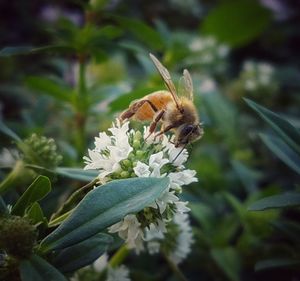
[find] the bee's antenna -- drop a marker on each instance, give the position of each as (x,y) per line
(179,153)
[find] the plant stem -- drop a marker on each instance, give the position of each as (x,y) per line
(177,272)
(81,107)
(119,256)
(74,198)
(18,175)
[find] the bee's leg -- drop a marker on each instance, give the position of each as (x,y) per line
(155,121)
(166,129)
(134,108)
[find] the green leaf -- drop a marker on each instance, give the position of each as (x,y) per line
(50,88)
(7,131)
(282,127)
(282,151)
(26,50)
(38,269)
(223,115)
(228,260)
(35,214)
(57,221)
(286,200)
(276,263)
(82,254)
(35,192)
(143,32)
(77,173)
(103,207)
(247,176)
(237,22)
(203,214)
(13,51)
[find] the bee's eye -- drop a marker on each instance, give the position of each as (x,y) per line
(187,130)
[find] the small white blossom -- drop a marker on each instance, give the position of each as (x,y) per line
(208,85)
(184,177)
(157,160)
(109,150)
(120,273)
(141,170)
(168,197)
(184,239)
(129,230)
(101,263)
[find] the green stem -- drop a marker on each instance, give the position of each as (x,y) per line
(18,175)
(81,107)
(119,256)
(177,272)
(74,199)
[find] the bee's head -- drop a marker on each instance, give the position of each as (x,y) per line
(188,133)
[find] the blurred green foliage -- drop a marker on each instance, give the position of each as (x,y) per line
(70,67)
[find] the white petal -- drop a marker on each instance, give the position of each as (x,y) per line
(157,160)
(184,177)
(141,170)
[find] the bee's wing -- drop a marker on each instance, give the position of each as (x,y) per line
(185,88)
(167,79)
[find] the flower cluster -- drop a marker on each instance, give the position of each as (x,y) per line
(42,151)
(256,76)
(125,153)
(209,53)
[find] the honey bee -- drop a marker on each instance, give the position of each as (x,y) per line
(174,111)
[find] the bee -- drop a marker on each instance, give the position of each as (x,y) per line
(175,112)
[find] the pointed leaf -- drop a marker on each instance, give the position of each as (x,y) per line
(282,127)
(38,269)
(35,214)
(143,32)
(83,253)
(247,176)
(35,192)
(51,88)
(228,260)
(276,201)
(103,207)
(26,50)
(77,173)
(282,151)
(233,22)
(276,263)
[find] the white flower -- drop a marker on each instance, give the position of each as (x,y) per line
(109,150)
(102,142)
(208,85)
(250,85)
(223,51)
(129,230)
(120,273)
(153,234)
(127,153)
(177,156)
(168,197)
(101,263)
(184,239)
(8,157)
(181,207)
(157,160)
(141,170)
(184,177)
